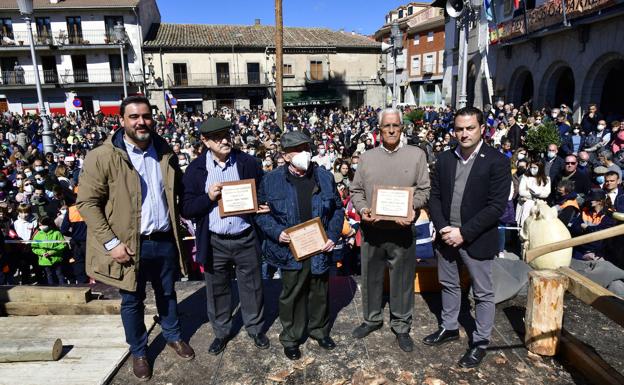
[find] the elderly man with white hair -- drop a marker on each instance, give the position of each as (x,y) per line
(385,242)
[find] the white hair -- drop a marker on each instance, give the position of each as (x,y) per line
(389,111)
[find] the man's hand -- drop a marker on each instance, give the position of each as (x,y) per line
(214,191)
(329,246)
(407,221)
(263,209)
(284,238)
(367,216)
(121,253)
(452,236)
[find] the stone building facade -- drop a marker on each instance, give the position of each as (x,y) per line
(207,67)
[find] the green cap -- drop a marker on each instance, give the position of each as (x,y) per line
(214,125)
(294,138)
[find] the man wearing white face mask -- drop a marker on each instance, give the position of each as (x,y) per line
(321,158)
(296,193)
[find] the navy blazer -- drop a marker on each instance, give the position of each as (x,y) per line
(196,204)
(485,198)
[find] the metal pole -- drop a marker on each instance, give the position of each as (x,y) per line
(123,70)
(394,75)
(279,64)
(48,146)
(162,76)
(463,96)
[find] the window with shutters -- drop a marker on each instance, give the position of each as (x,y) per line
(316,70)
(415,65)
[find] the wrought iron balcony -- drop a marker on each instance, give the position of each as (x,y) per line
(59,38)
(216,79)
(27,78)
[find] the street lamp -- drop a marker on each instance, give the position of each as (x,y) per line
(26,10)
(396,37)
(120,36)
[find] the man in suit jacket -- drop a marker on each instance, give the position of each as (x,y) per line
(223,241)
(469,191)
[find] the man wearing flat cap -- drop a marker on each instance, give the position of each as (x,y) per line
(222,242)
(297,192)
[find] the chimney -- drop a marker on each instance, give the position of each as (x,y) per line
(341,30)
(257,22)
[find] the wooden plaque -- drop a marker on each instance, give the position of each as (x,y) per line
(391,202)
(238,197)
(307,239)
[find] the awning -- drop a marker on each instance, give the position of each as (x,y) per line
(310,98)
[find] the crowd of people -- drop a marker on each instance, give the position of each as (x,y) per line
(580,173)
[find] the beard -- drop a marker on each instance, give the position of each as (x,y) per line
(139,137)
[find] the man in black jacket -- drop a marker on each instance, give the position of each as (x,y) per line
(469,191)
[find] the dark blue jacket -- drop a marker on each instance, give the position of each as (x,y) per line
(282,198)
(196,204)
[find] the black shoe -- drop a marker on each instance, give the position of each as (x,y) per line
(326,342)
(405,342)
(260,340)
(217,346)
(473,357)
(441,336)
(365,329)
(292,352)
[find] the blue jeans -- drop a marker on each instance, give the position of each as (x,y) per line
(158,264)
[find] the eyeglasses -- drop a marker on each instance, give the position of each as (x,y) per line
(570,162)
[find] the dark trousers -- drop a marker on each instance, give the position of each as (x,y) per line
(396,250)
(243,253)
(303,303)
(159,265)
(54,274)
(449,261)
(78,267)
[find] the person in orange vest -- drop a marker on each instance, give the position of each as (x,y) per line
(73,225)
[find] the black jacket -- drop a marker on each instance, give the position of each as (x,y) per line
(485,198)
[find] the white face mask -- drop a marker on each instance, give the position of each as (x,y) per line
(321,151)
(521,156)
(534,171)
(301,161)
(29,188)
(600,127)
(182,162)
(43,228)
(18,182)
(251,152)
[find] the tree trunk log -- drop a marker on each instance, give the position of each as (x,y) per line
(544,311)
(41,349)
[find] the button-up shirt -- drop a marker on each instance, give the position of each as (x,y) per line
(154,209)
(474,153)
(226,173)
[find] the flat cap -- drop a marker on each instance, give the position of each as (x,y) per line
(601,170)
(294,138)
(214,125)
(596,195)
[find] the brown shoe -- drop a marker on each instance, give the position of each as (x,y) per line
(141,368)
(183,349)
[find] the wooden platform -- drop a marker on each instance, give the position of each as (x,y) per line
(93,348)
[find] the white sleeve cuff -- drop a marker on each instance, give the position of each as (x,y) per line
(112,244)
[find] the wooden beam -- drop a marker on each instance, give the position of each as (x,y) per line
(21,350)
(587,238)
(45,294)
(92,308)
(587,361)
(595,295)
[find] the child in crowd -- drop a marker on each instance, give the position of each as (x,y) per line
(50,253)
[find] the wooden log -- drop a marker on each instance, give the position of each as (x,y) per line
(45,294)
(40,349)
(588,362)
(31,309)
(587,238)
(595,295)
(544,311)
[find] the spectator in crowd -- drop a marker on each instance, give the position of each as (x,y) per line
(593,218)
(49,247)
(566,202)
(582,183)
(533,186)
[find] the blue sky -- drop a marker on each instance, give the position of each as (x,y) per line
(363,16)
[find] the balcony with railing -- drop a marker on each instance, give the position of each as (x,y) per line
(59,38)
(18,79)
(216,79)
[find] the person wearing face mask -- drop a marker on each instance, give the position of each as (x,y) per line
(554,165)
(50,254)
(322,158)
(533,186)
(574,142)
(296,193)
(584,165)
(591,119)
(25,226)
